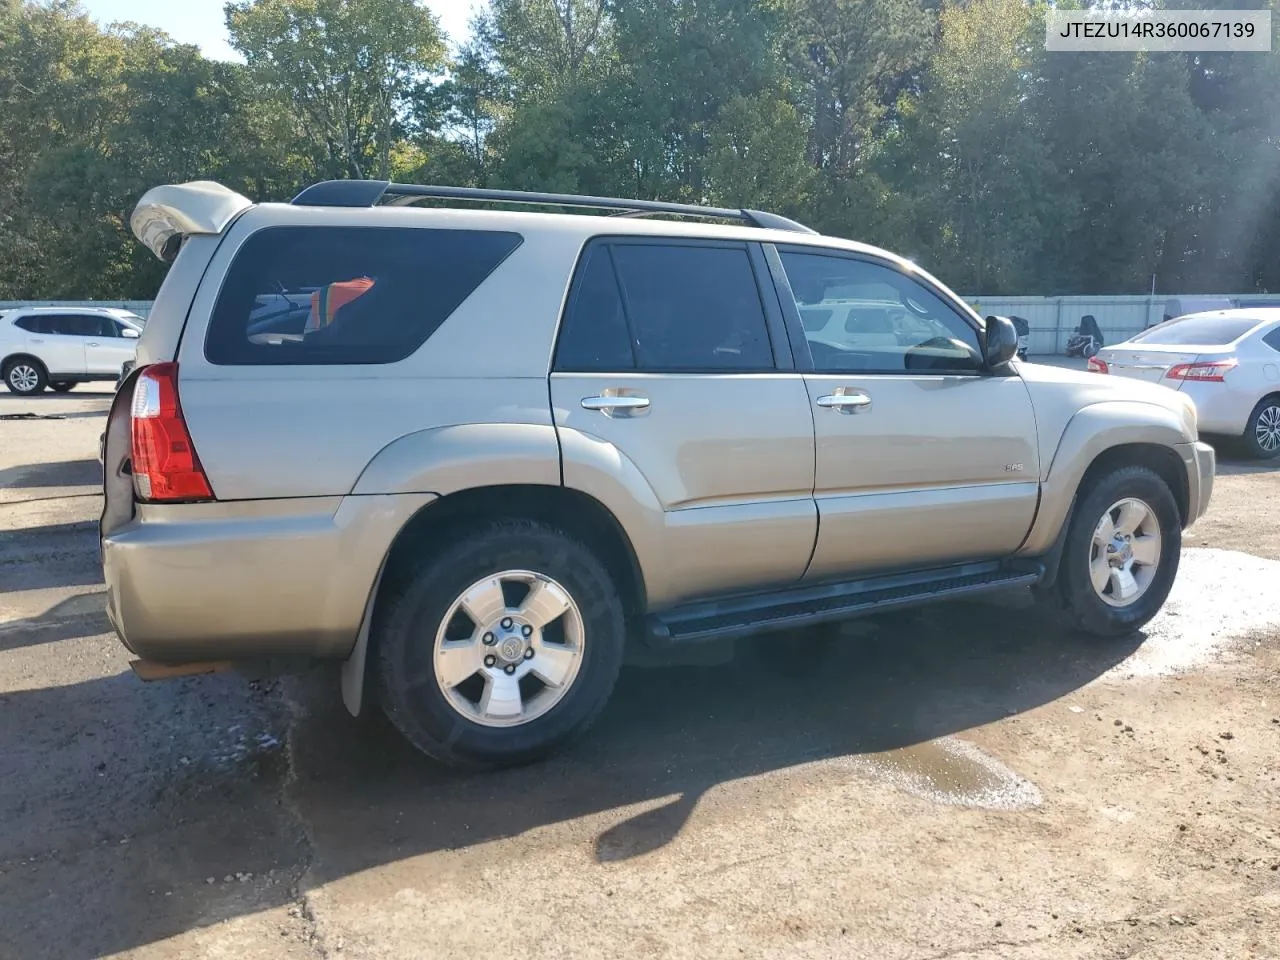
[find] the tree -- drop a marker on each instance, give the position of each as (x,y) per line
(94,118)
(351,69)
(983,167)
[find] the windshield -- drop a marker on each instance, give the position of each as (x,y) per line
(1200,331)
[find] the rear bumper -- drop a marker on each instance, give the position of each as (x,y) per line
(1201,464)
(249,580)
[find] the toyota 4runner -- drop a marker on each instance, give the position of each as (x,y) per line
(474,453)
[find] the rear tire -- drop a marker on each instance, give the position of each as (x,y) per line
(1261,437)
(441,624)
(25,376)
(1098,572)
(62,386)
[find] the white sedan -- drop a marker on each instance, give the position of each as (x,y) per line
(1227,361)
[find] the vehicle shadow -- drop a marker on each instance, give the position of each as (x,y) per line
(366,799)
(54,555)
(1233,461)
(82,615)
(66,473)
(914,677)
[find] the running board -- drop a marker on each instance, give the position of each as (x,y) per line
(802,606)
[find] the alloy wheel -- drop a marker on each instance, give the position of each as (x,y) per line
(23,377)
(1125,552)
(509,648)
(1267,429)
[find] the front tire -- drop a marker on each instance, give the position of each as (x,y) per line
(25,377)
(501,648)
(1262,434)
(1121,553)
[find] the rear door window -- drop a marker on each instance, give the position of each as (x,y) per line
(594,336)
(70,324)
(346,295)
(665,307)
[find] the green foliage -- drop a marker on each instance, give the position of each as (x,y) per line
(941,129)
(350,69)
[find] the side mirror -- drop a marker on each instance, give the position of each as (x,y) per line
(129,333)
(1001,342)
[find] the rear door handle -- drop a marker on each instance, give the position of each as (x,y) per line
(845,402)
(613,406)
(93,344)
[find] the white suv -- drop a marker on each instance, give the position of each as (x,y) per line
(58,347)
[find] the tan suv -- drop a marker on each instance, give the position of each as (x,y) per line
(474,453)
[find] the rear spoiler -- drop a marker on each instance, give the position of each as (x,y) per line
(165,216)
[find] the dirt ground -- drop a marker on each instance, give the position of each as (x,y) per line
(958,782)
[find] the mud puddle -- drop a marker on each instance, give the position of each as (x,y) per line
(1222,600)
(952,772)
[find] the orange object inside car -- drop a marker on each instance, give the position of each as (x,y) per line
(328,300)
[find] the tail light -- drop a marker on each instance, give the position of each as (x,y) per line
(1214,371)
(165,465)
(1098,365)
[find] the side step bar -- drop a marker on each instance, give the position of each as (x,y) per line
(802,606)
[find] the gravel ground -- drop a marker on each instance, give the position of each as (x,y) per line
(957,782)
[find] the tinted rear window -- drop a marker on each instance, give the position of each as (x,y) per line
(1198,331)
(336,295)
(664,307)
(693,307)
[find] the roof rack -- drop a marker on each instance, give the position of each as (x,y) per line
(368,193)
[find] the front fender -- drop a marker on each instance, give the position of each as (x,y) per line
(1093,430)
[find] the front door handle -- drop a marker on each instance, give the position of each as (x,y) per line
(93,344)
(607,405)
(845,402)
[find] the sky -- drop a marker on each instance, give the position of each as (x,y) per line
(200,21)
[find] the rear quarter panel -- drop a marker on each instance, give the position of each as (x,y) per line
(312,431)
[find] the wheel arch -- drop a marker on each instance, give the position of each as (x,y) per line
(1161,460)
(1105,435)
(576,513)
(4,364)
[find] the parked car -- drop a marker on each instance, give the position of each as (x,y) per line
(857,324)
(1181,306)
(504,445)
(1227,361)
(58,347)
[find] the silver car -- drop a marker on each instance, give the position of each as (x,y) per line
(1226,361)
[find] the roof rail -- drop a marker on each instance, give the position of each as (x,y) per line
(368,193)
